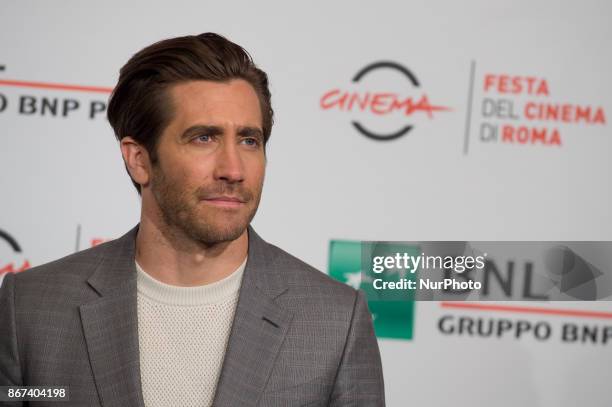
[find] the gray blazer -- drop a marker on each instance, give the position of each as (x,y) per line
(298,338)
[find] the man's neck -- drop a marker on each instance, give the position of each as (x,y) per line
(180,261)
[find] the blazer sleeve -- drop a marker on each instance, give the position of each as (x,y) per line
(10,368)
(359,381)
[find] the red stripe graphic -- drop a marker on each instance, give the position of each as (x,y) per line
(55,86)
(529,310)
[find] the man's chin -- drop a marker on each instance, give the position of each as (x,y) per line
(214,234)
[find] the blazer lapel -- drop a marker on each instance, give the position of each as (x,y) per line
(110,325)
(258,330)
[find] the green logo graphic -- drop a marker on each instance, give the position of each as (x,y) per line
(350,262)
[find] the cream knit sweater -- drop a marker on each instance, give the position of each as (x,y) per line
(182,335)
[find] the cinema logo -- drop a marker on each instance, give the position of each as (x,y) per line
(45,99)
(370,105)
(520,110)
(11,255)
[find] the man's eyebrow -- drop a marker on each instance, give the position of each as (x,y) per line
(201,130)
(248,131)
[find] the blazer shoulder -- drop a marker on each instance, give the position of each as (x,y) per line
(307,279)
(70,267)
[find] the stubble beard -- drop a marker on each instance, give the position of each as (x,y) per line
(183,217)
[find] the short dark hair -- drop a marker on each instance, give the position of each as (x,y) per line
(139,105)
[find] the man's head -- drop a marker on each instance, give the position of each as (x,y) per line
(193,115)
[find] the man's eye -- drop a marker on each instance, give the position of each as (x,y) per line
(204,138)
(251,142)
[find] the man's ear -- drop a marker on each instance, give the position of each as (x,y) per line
(137,160)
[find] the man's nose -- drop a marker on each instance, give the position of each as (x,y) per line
(229,166)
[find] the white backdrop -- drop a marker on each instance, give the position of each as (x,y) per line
(327,181)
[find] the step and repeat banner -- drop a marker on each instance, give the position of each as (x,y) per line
(419,121)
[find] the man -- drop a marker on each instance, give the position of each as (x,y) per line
(191,307)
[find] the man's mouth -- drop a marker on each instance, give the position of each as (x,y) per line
(225,201)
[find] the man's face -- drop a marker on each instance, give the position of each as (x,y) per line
(209,175)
